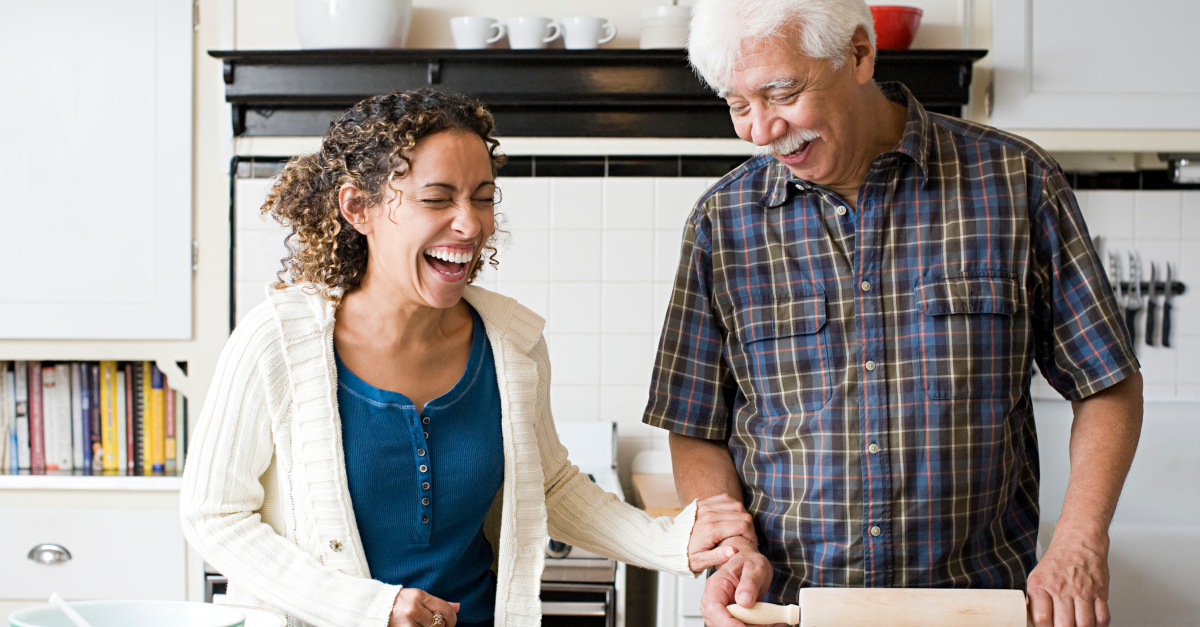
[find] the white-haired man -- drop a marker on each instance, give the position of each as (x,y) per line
(854,322)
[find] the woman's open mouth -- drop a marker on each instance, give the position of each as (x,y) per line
(450,263)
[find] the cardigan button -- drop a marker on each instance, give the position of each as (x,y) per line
(336,545)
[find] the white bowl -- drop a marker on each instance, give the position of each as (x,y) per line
(132,614)
(324,24)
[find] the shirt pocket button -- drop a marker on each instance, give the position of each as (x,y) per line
(335,545)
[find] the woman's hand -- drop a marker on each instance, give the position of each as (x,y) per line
(718,518)
(417,608)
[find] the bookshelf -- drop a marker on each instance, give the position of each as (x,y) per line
(124,531)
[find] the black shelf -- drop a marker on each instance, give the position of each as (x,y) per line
(533,93)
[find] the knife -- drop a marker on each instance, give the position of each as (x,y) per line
(1151,304)
(1133,297)
(1169,294)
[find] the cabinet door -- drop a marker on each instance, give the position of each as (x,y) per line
(1096,64)
(96,121)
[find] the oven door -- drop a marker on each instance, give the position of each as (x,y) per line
(579,605)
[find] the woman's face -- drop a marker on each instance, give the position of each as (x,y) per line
(429,229)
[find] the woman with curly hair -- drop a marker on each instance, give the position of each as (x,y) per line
(377,446)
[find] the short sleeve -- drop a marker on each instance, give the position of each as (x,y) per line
(1081,344)
(692,387)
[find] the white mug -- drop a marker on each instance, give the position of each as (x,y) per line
(526,33)
(472,33)
(587,32)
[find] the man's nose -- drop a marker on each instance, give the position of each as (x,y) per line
(766,127)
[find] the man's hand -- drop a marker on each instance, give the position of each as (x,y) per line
(745,577)
(1069,586)
(718,518)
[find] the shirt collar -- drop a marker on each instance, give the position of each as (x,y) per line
(914,143)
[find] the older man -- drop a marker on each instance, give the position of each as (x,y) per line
(854,324)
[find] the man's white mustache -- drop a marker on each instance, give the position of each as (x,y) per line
(787,144)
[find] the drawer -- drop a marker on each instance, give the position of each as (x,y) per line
(115,554)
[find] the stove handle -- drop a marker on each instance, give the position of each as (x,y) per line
(571,608)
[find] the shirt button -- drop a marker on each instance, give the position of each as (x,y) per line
(870,365)
(426,435)
(424,420)
(424,520)
(424,485)
(841,211)
(866,286)
(336,546)
(425,501)
(875,531)
(423,468)
(420,452)
(873,448)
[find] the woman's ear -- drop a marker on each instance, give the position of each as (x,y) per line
(353,204)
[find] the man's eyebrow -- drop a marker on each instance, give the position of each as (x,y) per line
(779,83)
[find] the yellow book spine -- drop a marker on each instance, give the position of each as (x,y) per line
(147,423)
(108,414)
(158,438)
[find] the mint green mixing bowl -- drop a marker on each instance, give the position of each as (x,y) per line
(132,614)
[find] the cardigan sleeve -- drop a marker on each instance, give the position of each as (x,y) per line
(232,446)
(582,514)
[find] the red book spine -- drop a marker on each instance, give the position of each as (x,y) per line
(37,438)
(130,460)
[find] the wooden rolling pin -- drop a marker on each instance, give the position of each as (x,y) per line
(893,607)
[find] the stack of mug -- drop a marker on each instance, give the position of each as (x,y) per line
(528,33)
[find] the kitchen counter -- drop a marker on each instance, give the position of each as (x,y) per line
(655,493)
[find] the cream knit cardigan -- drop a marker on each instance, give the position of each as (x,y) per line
(265,497)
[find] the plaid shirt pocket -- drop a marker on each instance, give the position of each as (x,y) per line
(969,337)
(785,344)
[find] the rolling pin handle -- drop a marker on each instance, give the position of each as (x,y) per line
(766,614)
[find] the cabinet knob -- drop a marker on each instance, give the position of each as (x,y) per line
(49,554)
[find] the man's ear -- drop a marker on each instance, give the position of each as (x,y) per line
(353,204)
(863,56)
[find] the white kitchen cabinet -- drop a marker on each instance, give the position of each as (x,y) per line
(123,535)
(1095,64)
(96,241)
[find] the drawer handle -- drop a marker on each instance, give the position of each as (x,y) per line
(568,608)
(49,554)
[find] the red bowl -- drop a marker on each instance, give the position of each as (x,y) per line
(895,26)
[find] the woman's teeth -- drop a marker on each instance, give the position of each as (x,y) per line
(446,255)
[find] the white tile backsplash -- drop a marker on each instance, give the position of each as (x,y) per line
(628,359)
(674,199)
(574,308)
(574,403)
(1190,210)
(575,255)
(575,358)
(526,256)
(1157,215)
(576,203)
(249,195)
(628,203)
(1111,213)
(627,308)
(666,254)
(525,203)
(628,255)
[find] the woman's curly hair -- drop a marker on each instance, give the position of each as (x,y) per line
(373,140)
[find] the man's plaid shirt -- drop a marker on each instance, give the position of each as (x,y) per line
(870,369)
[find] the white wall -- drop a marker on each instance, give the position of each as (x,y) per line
(268,24)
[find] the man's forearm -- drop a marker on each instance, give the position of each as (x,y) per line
(703,468)
(1104,437)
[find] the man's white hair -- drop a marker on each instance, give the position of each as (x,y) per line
(720,29)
